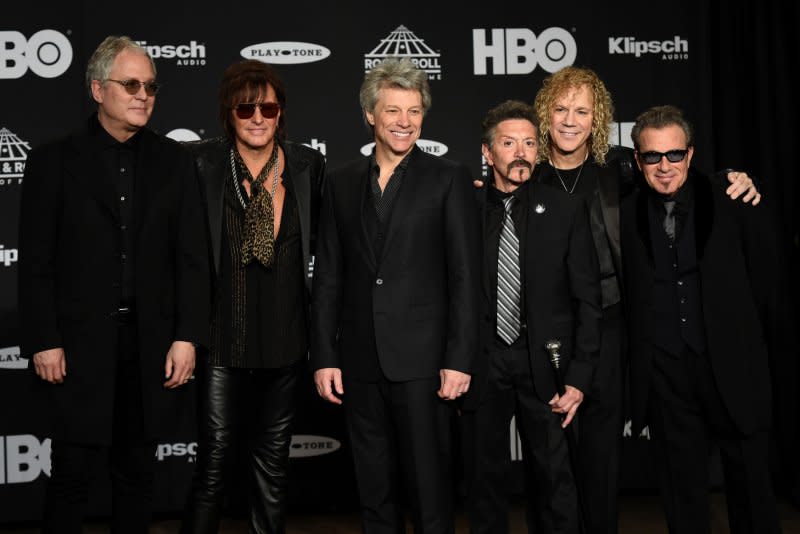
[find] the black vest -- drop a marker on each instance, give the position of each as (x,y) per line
(677,305)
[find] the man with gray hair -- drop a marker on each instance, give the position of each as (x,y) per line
(113,288)
(395,305)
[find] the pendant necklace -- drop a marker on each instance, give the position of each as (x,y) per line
(577,178)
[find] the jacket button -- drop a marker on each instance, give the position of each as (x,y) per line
(379,281)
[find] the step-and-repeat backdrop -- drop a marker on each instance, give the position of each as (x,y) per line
(475,57)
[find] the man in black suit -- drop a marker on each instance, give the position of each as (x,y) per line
(113,288)
(702,279)
(556,296)
(394,305)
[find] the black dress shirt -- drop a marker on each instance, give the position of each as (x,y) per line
(379,204)
(259,318)
(118,162)
(495,213)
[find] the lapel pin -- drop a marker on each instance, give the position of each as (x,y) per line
(539,208)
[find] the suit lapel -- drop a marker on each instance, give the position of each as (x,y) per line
(218,174)
(643,224)
(609,207)
(703,207)
(482,201)
(148,159)
(413,179)
(85,167)
(296,177)
(363,196)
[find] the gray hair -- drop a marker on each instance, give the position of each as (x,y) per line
(660,117)
(394,72)
(103,57)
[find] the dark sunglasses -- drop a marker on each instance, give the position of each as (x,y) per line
(269,110)
(132,86)
(673,156)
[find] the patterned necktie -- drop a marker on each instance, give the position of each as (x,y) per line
(669,219)
(508,279)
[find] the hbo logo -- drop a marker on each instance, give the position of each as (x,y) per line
(47,53)
(518,50)
(23,458)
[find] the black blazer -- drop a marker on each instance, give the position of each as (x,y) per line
(69,274)
(421,295)
(740,270)
(562,292)
(306,171)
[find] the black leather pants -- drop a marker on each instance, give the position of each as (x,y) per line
(256,405)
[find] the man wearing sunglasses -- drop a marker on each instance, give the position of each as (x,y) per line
(703,277)
(262,200)
(113,289)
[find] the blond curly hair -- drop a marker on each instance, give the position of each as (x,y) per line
(554,87)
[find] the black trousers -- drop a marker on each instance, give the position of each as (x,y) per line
(600,430)
(131,458)
(552,502)
(400,438)
(236,404)
(686,416)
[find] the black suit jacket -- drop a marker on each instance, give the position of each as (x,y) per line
(306,170)
(70,273)
(421,295)
(740,273)
(562,292)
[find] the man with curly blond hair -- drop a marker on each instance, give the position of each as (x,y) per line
(575,113)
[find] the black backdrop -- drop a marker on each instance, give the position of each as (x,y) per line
(726,64)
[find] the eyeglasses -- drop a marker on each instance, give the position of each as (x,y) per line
(132,86)
(269,110)
(673,156)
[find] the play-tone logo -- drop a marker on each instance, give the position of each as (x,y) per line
(520,51)
(13,155)
(431,147)
(47,53)
(23,458)
(402,42)
(10,359)
(285,52)
(183,135)
(192,54)
(674,49)
(304,445)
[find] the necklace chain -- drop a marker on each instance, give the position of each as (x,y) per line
(273,162)
(577,178)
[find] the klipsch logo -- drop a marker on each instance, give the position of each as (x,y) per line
(403,43)
(304,445)
(23,458)
(670,50)
(431,147)
(177,450)
(13,155)
(520,51)
(10,356)
(191,54)
(47,54)
(8,256)
(285,52)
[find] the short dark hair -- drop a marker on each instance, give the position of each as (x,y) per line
(510,109)
(660,117)
(243,82)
